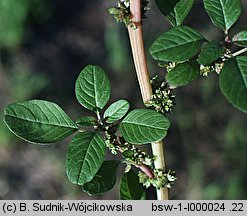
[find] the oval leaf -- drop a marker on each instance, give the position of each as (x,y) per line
(38,121)
(183,74)
(86,121)
(223,13)
(104,180)
(130,188)
(86,152)
(116,111)
(210,53)
(92,88)
(177,44)
(240,38)
(233,82)
(144,126)
(175,10)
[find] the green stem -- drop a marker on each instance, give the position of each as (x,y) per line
(99,118)
(239,52)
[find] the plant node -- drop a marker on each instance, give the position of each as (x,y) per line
(162,99)
(161,179)
(134,156)
(121,12)
(217,67)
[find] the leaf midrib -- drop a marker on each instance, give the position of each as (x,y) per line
(82,165)
(224,15)
(43,123)
(175,46)
(144,125)
(94,88)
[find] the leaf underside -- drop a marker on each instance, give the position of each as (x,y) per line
(104,180)
(92,88)
(85,154)
(144,126)
(233,82)
(178,44)
(38,121)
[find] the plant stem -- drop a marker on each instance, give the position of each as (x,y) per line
(99,117)
(237,53)
(138,52)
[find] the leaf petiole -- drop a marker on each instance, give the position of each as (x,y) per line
(239,52)
(99,118)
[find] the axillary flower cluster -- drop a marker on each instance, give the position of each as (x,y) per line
(148,175)
(121,12)
(163,98)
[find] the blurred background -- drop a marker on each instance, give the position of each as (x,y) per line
(44,44)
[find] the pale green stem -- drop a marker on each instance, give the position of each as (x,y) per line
(239,52)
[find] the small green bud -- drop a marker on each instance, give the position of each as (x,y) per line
(205,70)
(127,168)
(161,179)
(162,100)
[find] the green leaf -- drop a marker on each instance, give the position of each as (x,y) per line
(175,10)
(183,74)
(92,88)
(38,121)
(166,6)
(104,180)
(144,126)
(130,188)
(240,38)
(86,121)
(223,13)
(178,44)
(116,111)
(233,82)
(85,154)
(210,53)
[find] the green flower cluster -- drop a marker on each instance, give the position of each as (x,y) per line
(121,12)
(206,70)
(136,157)
(131,154)
(162,99)
(161,179)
